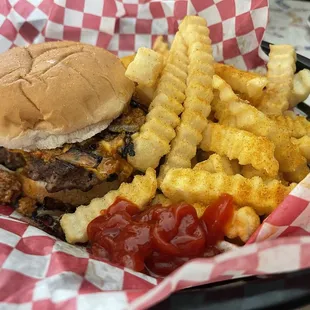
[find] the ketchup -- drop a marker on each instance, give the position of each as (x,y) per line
(159,239)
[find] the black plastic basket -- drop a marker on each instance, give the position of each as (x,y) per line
(282,291)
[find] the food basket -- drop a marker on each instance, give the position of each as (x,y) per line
(39,271)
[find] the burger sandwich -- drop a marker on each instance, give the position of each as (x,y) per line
(66,119)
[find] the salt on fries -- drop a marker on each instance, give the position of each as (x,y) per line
(143,94)
(280,74)
(216,163)
(242,145)
(248,171)
(199,94)
(184,184)
(161,199)
(140,191)
(146,67)
(233,112)
(304,146)
(234,135)
(153,140)
(244,223)
(248,84)
(161,47)
(297,126)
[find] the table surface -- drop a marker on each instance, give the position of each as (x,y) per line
(288,25)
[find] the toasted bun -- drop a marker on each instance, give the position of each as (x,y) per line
(59,92)
(37,191)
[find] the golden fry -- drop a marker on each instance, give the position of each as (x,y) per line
(249,172)
(201,186)
(146,67)
(297,126)
(140,192)
(233,112)
(153,140)
(301,87)
(161,47)
(200,208)
(242,145)
(216,163)
(280,75)
(298,175)
(304,146)
(160,199)
(247,84)
(199,95)
(144,94)
(127,60)
(244,223)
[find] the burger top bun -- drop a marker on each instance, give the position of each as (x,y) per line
(59,92)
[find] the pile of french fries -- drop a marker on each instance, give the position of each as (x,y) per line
(254,148)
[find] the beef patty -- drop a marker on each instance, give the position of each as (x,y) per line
(60,175)
(82,165)
(11,160)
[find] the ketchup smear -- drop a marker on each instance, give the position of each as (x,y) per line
(159,239)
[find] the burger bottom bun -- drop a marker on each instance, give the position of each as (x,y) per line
(37,191)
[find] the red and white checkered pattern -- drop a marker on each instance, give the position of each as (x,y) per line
(37,271)
(122,26)
(291,218)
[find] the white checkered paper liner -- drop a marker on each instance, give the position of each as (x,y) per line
(67,276)
(236,27)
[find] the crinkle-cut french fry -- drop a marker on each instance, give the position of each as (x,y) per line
(301,87)
(249,172)
(298,175)
(153,140)
(242,145)
(146,67)
(304,146)
(249,85)
(297,126)
(216,163)
(200,208)
(160,199)
(126,60)
(280,75)
(140,191)
(233,112)
(183,184)
(199,94)
(244,223)
(166,202)
(144,94)
(161,46)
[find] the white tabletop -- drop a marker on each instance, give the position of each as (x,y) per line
(288,24)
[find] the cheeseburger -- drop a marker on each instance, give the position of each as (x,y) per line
(65,121)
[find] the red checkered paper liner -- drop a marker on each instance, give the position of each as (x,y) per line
(122,26)
(38,271)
